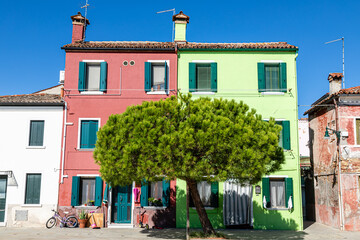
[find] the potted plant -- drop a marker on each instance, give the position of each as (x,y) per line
(157,202)
(91,203)
(151,201)
(82,219)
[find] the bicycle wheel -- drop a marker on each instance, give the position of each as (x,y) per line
(71,222)
(51,222)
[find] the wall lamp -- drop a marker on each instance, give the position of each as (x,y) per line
(327,135)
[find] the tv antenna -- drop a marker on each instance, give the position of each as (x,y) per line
(86,8)
(343,58)
(170,10)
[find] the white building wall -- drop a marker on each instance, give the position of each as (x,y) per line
(18,157)
(304,137)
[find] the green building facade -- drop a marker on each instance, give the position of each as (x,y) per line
(262,75)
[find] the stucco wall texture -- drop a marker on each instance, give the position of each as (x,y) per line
(325,160)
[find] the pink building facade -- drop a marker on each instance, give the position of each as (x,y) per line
(104,78)
(334,129)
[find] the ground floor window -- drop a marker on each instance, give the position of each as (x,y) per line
(33,186)
(156,193)
(277,192)
(209,194)
(86,191)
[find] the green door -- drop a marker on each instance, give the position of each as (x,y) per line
(3,180)
(121,207)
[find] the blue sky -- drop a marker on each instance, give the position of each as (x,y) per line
(32,33)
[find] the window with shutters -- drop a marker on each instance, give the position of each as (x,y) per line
(203,77)
(284,137)
(272,77)
(33,187)
(92,76)
(36,135)
(86,191)
(87,134)
(154,191)
(277,193)
(156,77)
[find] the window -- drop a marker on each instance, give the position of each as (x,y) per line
(272,77)
(358,131)
(156,79)
(157,190)
(86,190)
(92,76)
(88,130)
(277,192)
(33,185)
(36,136)
(209,194)
(202,77)
(284,138)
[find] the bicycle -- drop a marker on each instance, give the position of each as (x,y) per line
(67,221)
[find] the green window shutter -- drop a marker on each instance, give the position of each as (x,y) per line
(286,135)
(98,191)
(103,76)
(36,133)
(85,134)
(33,186)
(75,190)
(266,191)
(144,194)
(289,191)
(213,77)
(214,194)
(283,81)
(166,193)
(192,77)
(166,79)
(82,76)
(147,76)
(94,126)
(261,77)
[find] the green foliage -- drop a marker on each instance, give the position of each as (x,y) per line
(82,214)
(201,139)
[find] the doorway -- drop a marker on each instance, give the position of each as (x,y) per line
(121,206)
(3,185)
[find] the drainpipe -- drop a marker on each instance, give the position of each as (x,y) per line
(63,146)
(341,206)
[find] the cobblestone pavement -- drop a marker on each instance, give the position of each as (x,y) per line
(314,232)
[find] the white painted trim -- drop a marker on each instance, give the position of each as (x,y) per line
(154,207)
(120,225)
(157,93)
(203,61)
(93,61)
(2,224)
(272,93)
(272,61)
(88,175)
(206,208)
(159,61)
(79,132)
(31,205)
(92,92)
(35,147)
(203,93)
(282,209)
(276,176)
(69,124)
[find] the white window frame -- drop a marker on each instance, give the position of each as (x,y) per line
(277,177)
(273,62)
(24,190)
(79,133)
(28,134)
(166,92)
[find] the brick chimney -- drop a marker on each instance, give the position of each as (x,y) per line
(335,80)
(181,20)
(79,27)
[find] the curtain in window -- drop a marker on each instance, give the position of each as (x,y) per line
(277,193)
(272,77)
(156,190)
(203,76)
(204,189)
(158,77)
(93,77)
(87,190)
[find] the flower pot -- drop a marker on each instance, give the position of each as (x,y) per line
(82,223)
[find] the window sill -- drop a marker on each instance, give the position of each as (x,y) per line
(35,147)
(281,209)
(31,205)
(154,208)
(272,93)
(206,208)
(92,92)
(203,93)
(157,93)
(86,207)
(85,149)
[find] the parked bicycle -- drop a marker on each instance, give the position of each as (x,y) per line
(67,221)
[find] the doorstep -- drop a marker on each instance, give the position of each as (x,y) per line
(120,225)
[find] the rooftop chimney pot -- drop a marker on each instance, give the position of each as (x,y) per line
(335,80)
(79,27)
(181,20)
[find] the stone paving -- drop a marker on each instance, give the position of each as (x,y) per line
(315,231)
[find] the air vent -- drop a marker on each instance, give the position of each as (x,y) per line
(125,63)
(132,62)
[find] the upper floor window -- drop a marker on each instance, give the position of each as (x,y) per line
(36,136)
(284,137)
(272,77)
(92,76)
(156,76)
(203,77)
(88,131)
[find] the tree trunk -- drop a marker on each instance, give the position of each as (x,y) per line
(204,220)
(187,213)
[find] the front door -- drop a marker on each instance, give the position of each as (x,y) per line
(121,204)
(3,181)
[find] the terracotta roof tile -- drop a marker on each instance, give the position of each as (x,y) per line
(30,99)
(171,45)
(335,76)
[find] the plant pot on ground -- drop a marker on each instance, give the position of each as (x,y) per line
(82,219)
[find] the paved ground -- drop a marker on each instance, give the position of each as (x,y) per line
(314,232)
